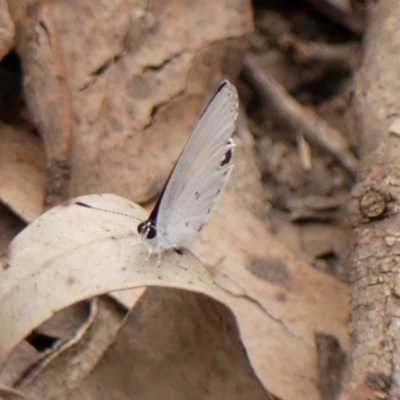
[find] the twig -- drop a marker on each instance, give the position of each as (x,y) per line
(298,118)
(343,57)
(351,19)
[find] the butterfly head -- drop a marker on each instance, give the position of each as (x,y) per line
(147,229)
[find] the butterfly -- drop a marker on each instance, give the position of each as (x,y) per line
(197,180)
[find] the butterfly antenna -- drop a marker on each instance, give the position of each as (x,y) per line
(173,246)
(79,203)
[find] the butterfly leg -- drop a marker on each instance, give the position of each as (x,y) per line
(128,259)
(132,232)
(149,253)
(159,262)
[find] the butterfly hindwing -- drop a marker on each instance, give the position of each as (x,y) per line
(194,207)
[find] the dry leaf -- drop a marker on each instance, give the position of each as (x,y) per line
(279,301)
(7,30)
(10,225)
(131,90)
(72,253)
(174,345)
(21,359)
(22,172)
(70,362)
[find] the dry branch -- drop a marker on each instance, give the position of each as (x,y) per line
(375,358)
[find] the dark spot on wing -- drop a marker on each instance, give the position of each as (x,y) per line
(208,211)
(178,251)
(227,158)
(219,191)
(187,224)
(200,228)
(197,195)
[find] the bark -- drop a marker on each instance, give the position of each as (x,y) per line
(374,369)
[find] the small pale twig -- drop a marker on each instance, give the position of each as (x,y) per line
(343,57)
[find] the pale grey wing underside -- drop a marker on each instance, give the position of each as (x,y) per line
(201,171)
(196,203)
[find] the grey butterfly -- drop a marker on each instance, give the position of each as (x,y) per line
(196,182)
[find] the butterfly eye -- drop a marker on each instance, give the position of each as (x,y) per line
(147,230)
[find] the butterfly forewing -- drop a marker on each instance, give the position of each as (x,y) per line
(199,170)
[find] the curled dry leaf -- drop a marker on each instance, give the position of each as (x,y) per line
(69,362)
(64,257)
(174,345)
(73,252)
(279,301)
(20,360)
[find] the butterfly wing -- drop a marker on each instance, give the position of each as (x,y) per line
(201,171)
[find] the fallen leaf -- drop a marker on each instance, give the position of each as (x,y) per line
(22,172)
(7,30)
(125,98)
(71,253)
(175,345)
(280,307)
